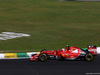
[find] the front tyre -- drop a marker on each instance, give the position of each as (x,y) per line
(43,57)
(43,50)
(88,57)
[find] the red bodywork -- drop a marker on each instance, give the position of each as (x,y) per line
(92,50)
(72,53)
(34,57)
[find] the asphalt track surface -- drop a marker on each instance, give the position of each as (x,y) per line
(51,67)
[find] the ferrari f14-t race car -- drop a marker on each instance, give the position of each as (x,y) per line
(70,53)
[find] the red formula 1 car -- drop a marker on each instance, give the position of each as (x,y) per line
(70,53)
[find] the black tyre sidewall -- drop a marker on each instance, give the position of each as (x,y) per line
(88,55)
(43,50)
(45,57)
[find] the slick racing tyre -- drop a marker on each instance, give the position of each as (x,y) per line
(88,57)
(43,50)
(43,57)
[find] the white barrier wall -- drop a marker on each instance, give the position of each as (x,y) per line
(15,56)
(2,56)
(98,50)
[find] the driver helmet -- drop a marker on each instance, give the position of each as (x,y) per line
(67,47)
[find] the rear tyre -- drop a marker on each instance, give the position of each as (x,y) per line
(88,57)
(43,57)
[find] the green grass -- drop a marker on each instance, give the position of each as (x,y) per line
(52,24)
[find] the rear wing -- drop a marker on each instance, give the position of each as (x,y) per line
(92,49)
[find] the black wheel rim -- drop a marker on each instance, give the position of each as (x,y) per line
(89,57)
(43,57)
